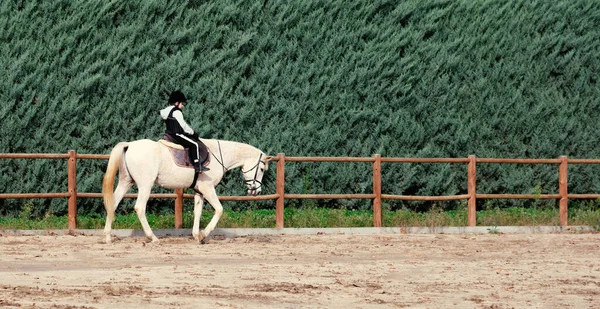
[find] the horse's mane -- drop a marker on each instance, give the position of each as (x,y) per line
(213,145)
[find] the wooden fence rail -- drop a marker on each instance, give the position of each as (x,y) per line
(377,196)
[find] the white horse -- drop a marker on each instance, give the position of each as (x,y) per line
(146,162)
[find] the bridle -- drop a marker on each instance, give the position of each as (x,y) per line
(254,180)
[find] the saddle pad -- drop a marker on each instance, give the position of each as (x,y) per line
(171,145)
(180,154)
(180,157)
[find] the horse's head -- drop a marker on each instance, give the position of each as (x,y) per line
(253,170)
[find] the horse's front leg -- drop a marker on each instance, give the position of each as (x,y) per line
(198,201)
(213,200)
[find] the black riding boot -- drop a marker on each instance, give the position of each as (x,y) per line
(199,168)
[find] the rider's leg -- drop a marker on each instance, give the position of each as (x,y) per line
(194,149)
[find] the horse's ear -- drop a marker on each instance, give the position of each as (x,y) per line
(268,158)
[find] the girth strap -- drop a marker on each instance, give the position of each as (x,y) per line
(195,179)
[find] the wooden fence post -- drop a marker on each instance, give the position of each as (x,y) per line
(72,188)
(563,173)
(377,191)
(280,189)
(472,190)
(179,208)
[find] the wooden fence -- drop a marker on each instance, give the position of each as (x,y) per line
(377,196)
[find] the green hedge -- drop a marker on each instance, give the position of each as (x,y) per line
(417,78)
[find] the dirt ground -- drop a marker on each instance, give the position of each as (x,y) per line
(316,271)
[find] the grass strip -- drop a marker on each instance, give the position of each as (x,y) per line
(322,218)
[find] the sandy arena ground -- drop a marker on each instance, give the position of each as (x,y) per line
(317,271)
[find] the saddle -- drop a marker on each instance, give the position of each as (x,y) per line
(181,155)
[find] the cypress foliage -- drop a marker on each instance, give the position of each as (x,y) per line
(433,78)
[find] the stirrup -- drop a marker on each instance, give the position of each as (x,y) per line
(201,169)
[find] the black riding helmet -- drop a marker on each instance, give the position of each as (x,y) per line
(177,96)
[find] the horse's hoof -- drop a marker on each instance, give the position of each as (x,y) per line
(200,237)
(155,240)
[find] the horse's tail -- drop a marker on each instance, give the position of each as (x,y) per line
(115,160)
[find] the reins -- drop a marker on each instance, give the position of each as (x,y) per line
(220,162)
(221,155)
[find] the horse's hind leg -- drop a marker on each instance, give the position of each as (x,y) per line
(122,188)
(140,209)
